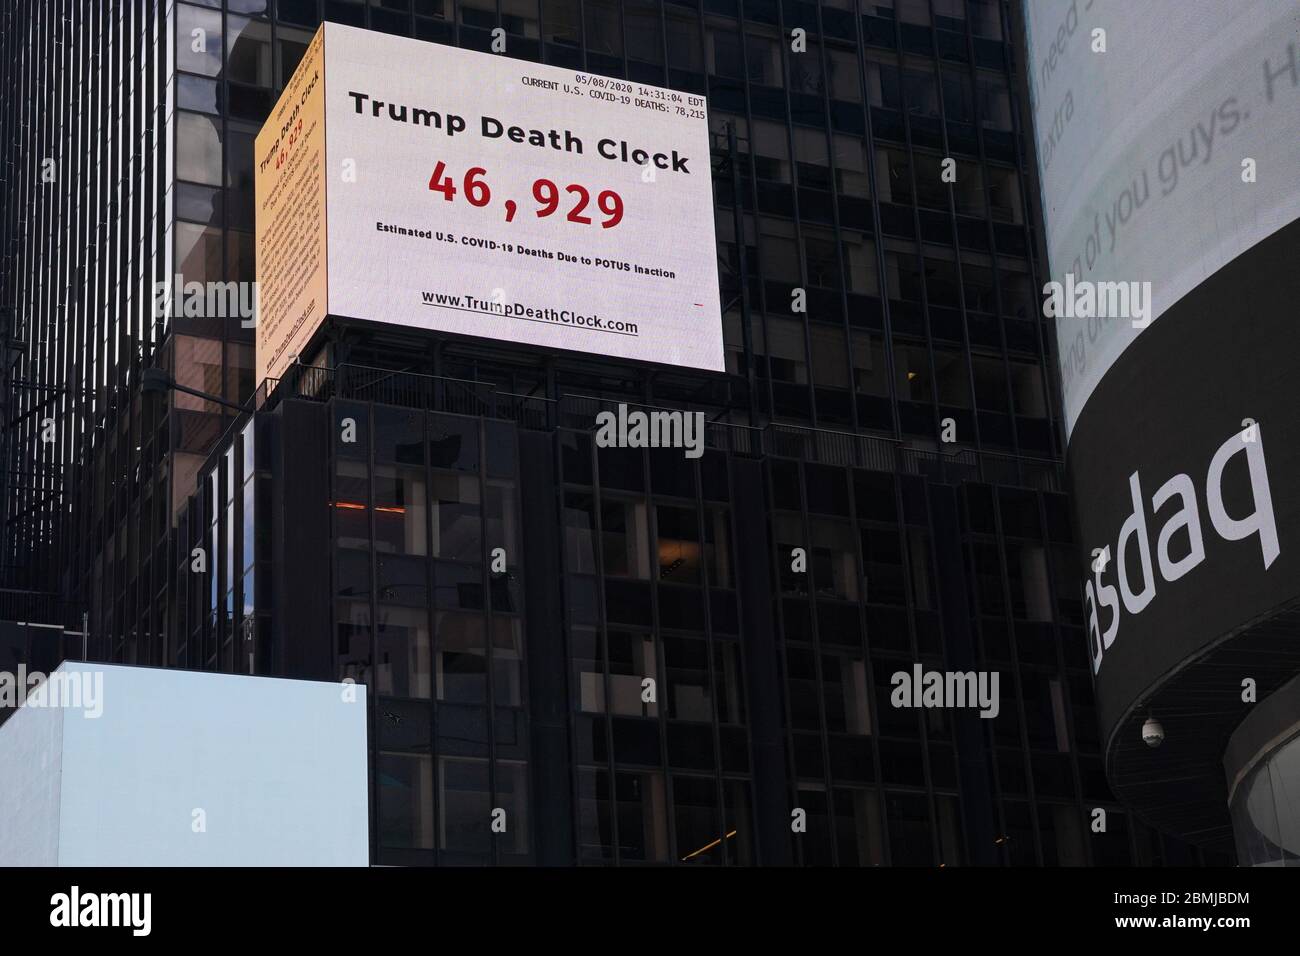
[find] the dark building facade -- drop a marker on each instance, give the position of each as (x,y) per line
(431,516)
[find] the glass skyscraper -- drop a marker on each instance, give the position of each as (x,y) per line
(889,407)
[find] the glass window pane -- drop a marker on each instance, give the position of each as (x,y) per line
(400,510)
(198,40)
(406,800)
(465,804)
(457,526)
(687,662)
(695,809)
(461,658)
(403,668)
(198,148)
(624,539)
(249,57)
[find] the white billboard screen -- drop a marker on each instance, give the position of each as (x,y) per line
(488,196)
(1167,146)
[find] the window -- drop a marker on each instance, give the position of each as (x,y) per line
(1004,194)
(687,662)
(985,18)
(1027,389)
(812,158)
(882,553)
(806,71)
(957,102)
(604,28)
(779,252)
(870,373)
(642,817)
(859,836)
(919,93)
(829,367)
(860,256)
(520,17)
(595,816)
(352,645)
(679,544)
(717,546)
(684,44)
(465,804)
(632,660)
(501,521)
(950,15)
(625,539)
(728,680)
(914,11)
(198,253)
(406,800)
(351,504)
(457,529)
(641,29)
(198,40)
(833,558)
(293,45)
(588,657)
(725,58)
(822,256)
(764,60)
(400,510)
(512,797)
(579,534)
(461,658)
(850,166)
(695,808)
(842,75)
(507,661)
(844,679)
(249,55)
(786,350)
(198,149)
(403,668)
(995,104)
(771,148)
(563,22)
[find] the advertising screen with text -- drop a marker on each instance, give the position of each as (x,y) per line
(482,195)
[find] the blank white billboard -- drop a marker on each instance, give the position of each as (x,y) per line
(156,767)
(1167,146)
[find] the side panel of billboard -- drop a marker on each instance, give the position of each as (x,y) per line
(290,210)
(494,197)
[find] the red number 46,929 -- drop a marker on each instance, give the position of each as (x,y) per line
(545,192)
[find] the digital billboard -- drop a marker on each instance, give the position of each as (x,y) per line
(482,195)
(1168,159)
(1166,147)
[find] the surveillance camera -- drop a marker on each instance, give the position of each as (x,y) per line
(1153,735)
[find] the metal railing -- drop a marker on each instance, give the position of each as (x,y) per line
(577,411)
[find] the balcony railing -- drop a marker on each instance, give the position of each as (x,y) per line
(776,439)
